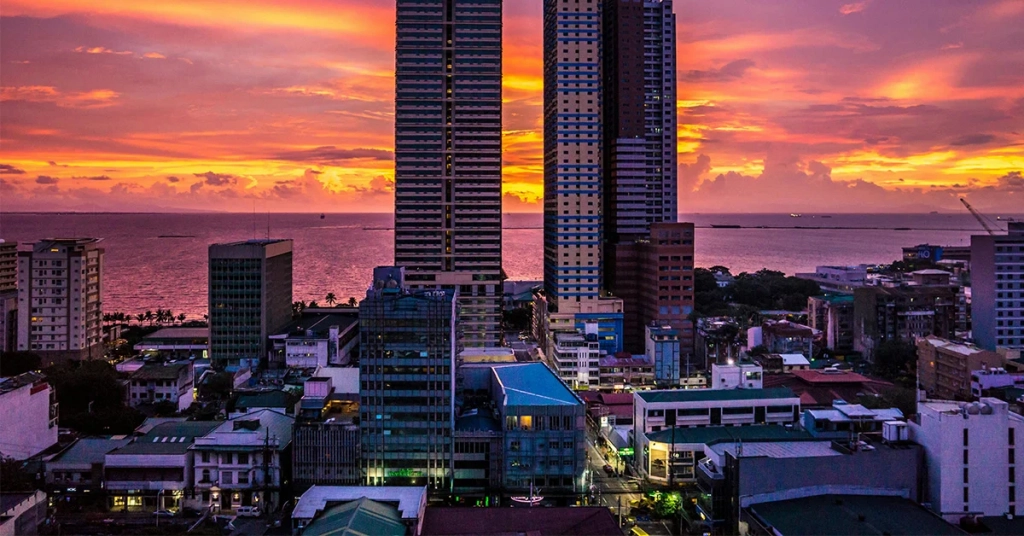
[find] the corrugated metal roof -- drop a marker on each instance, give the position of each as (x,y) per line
(533,384)
(704,395)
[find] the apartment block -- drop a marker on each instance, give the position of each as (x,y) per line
(945,367)
(997,289)
(902,313)
(8,296)
(448,111)
(250,299)
(60,293)
(832,315)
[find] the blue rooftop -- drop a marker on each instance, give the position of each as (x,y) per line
(533,384)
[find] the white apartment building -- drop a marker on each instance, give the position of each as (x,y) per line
(60,299)
(577,356)
(156,382)
(738,375)
(971,457)
(239,463)
(28,420)
(994,378)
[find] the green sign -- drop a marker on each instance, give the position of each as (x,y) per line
(628,451)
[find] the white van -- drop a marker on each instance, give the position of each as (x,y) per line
(248,511)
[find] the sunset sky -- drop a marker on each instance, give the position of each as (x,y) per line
(784,105)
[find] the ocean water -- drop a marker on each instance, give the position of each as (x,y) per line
(159,260)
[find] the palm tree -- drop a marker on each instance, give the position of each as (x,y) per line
(140,317)
(148,315)
(160,316)
(108,318)
(331,299)
(352,302)
(181,318)
(313,305)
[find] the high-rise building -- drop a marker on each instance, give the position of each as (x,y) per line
(250,293)
(997,289)
(448,155)
(408,345)
(8,296)
(60,299)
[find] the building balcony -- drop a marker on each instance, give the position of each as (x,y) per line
(708,470)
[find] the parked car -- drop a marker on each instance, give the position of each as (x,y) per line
(248,511)
(609,470)
(164,513)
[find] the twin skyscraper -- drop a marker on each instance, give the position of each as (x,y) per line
(609,163)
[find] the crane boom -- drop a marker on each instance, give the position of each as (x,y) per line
(977,216)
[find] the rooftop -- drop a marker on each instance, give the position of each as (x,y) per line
(855,412)
(318,498)
(848,515)
(168,438)
(794,360)
(631,361)
(156,371)
(777,449)
(821,388)
(581,521)
(318,323)
(89,450)
(836,299)
(255,426)
(710,435)
(179,333)
(9,500)
(264,399)
(830,376)
(360,517)
(344,380)
(709,395)
(533,384)
(19,381)
(957,347)
(488,355)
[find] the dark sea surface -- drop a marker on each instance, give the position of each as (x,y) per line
(159,260)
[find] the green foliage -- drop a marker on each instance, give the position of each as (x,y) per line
(750,293)
(14,477)
(217,387)
(902,398)
(759,350)
(896,361)
(668,504)
(91,398)
(518,319)
(165,408)
(14,363)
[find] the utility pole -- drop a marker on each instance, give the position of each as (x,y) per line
(619,500)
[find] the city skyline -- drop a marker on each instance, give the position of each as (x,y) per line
(835,106)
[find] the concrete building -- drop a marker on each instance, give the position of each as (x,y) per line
(244,462)
(22,513)
(784,337)
(8,296)
(154,471)
(841,514)
(408,345)
(162,382)
(832,315)
(29,416)
(662,349)
(743,474)
(669,457)
(577,358)
(548,521)
(316,340)
(60,295)
(838,279)
(448,156)
(176,343)
(325,445)
(902,313)
(984,381)
(409,501)
(997,288)
(738,375)
(945,367)
(660,410)
(626,371)
(847,421)
(250,296)
(74,476)
(970,451)
(820,388)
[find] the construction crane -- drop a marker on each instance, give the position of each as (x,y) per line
(977,215)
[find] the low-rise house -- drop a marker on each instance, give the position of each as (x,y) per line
(75,474)
(251,401)
(819,388)
(846,421)
(159,382)
(316,339)
(28,420)
(243,462)
(176,343)
(153,471)
(626,371)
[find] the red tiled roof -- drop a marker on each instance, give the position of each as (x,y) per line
(616,399)
(817,376)
(823,393)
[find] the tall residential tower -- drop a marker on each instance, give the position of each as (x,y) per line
(60,296)
(448,155)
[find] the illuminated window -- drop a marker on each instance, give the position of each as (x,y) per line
(526,422)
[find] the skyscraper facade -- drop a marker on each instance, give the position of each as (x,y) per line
(60,284)
(8,296)
(997,288)
(448,155)
(408,345)
(250,298)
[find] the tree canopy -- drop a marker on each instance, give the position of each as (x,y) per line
(749,293)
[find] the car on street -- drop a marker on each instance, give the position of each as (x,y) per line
(164,513)
(609,470)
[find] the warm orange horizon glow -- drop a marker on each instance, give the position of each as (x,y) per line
(794,105)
